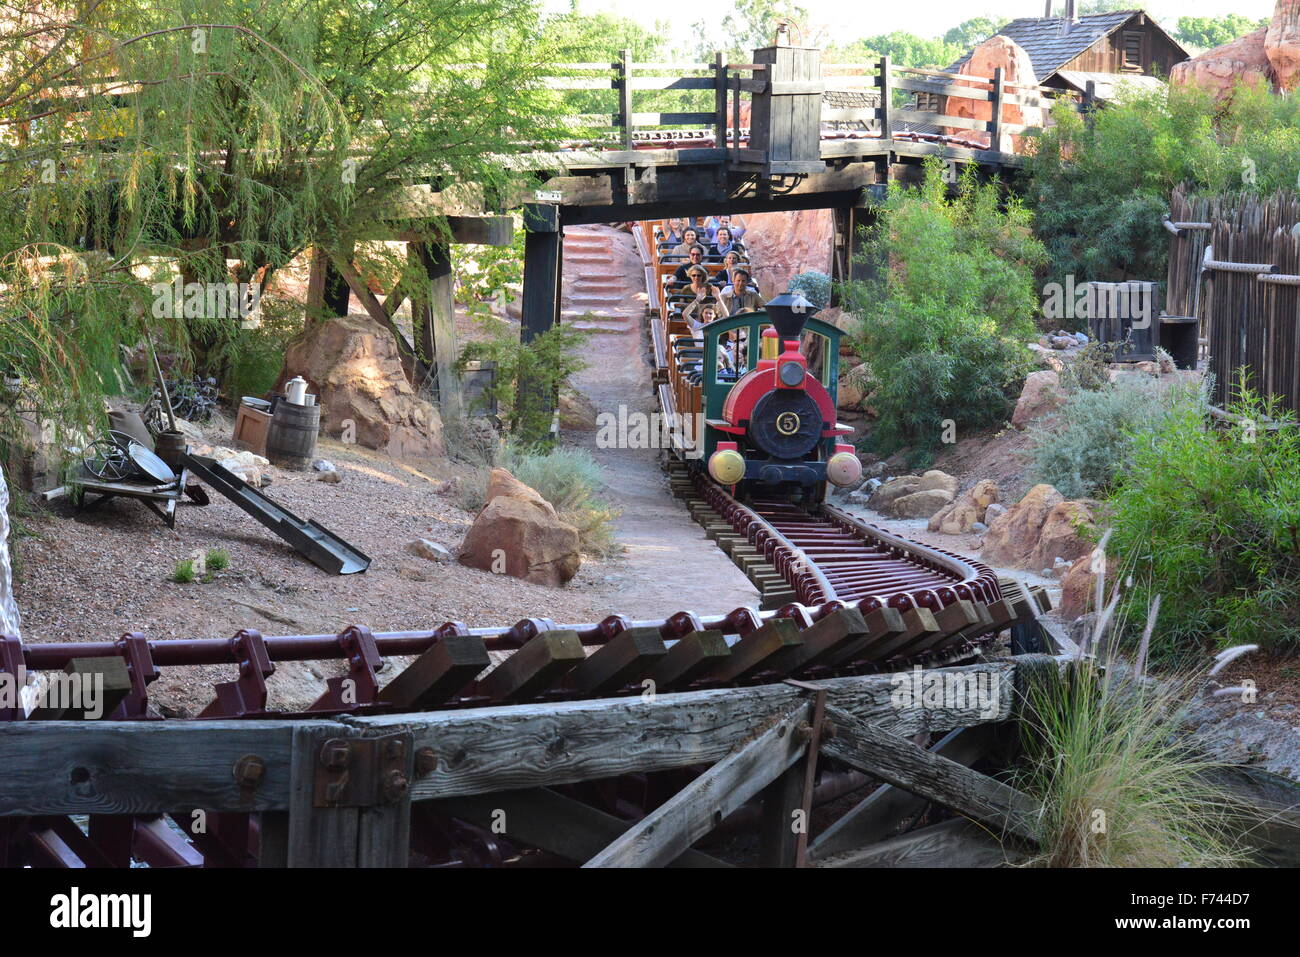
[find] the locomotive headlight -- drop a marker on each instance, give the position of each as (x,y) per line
(791,374)
(843,468)
(727,466)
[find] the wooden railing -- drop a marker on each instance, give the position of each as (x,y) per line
(627,122)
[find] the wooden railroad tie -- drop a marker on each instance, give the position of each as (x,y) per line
(535,666)
(434,677)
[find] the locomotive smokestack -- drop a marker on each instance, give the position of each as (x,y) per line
(788,312)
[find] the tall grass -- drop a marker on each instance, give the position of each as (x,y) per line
(1107,758)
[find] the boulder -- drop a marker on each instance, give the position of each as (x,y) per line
(895,488)
(937,479)
(429,550)
(501,484)
(577,412)
(1282,44)
(1040,395)
(854,386)
(514,536)
(922,503)
(1017,68)
(1013,536)
(354,368)
(1077,587)
(1244,60)
(1062,535)
(967,511)
(993,511)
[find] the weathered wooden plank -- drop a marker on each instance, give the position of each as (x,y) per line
(954,843)
(903,764)
(552,822)
(318,836)
(761,649)
(882,625)
(437,674)
(624,658)
(690,659)
(100,684)
(668,831)
(534,667)
(139,767)
(879,815)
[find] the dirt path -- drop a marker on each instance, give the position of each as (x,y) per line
(669,564)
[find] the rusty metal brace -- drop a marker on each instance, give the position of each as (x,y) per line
(247,693)
(361,682)
(814,731)
(134,649)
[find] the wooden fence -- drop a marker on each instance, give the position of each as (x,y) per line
(891,99)
(1234,265)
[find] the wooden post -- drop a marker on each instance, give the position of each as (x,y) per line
(625,97)
(1089,103)
(435,323)
(735,112)
(886,101)
(995,131)
(720,100)
(542,241)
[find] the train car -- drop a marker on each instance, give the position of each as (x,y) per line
(764,385)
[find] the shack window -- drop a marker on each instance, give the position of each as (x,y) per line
(1132,50)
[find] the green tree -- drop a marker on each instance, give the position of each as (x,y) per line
(974,31)
(1205,33)
(1099,191)
(147,136)
(944,330)
(902,48)
(748,25)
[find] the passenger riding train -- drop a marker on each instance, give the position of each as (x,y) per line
(761,384)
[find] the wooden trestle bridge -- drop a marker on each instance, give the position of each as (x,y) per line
(614,743)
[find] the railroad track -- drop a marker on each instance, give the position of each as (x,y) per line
(839,597)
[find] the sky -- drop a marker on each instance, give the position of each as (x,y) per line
(855,18)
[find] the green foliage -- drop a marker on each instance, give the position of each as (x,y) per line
(217,559)
(481,272)
(568,478)
(976,30)
(1093,440)
(814,286)
(1100,192)
(945,330)
(183,571)
(1105,746)
(1209,519)
(256,355)
(204,132)
(528,375)
(747,25)
(1205,33)
(902,48)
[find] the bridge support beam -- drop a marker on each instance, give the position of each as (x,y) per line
(543,253)
(848,244)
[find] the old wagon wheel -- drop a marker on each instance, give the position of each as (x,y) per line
(107,460)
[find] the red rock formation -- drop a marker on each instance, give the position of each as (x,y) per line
(517,533)
(354,367)
(1244,60)
(1282,44)
(782,245)
(996,51)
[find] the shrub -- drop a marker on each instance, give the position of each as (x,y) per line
(528,375)
(945,329)
(1092,441)
(183,571)
(814,286)
(1116,786)
(568,478)
(217,559)
(1209,519)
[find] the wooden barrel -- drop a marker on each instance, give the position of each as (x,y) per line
(170,446)
(291,436)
